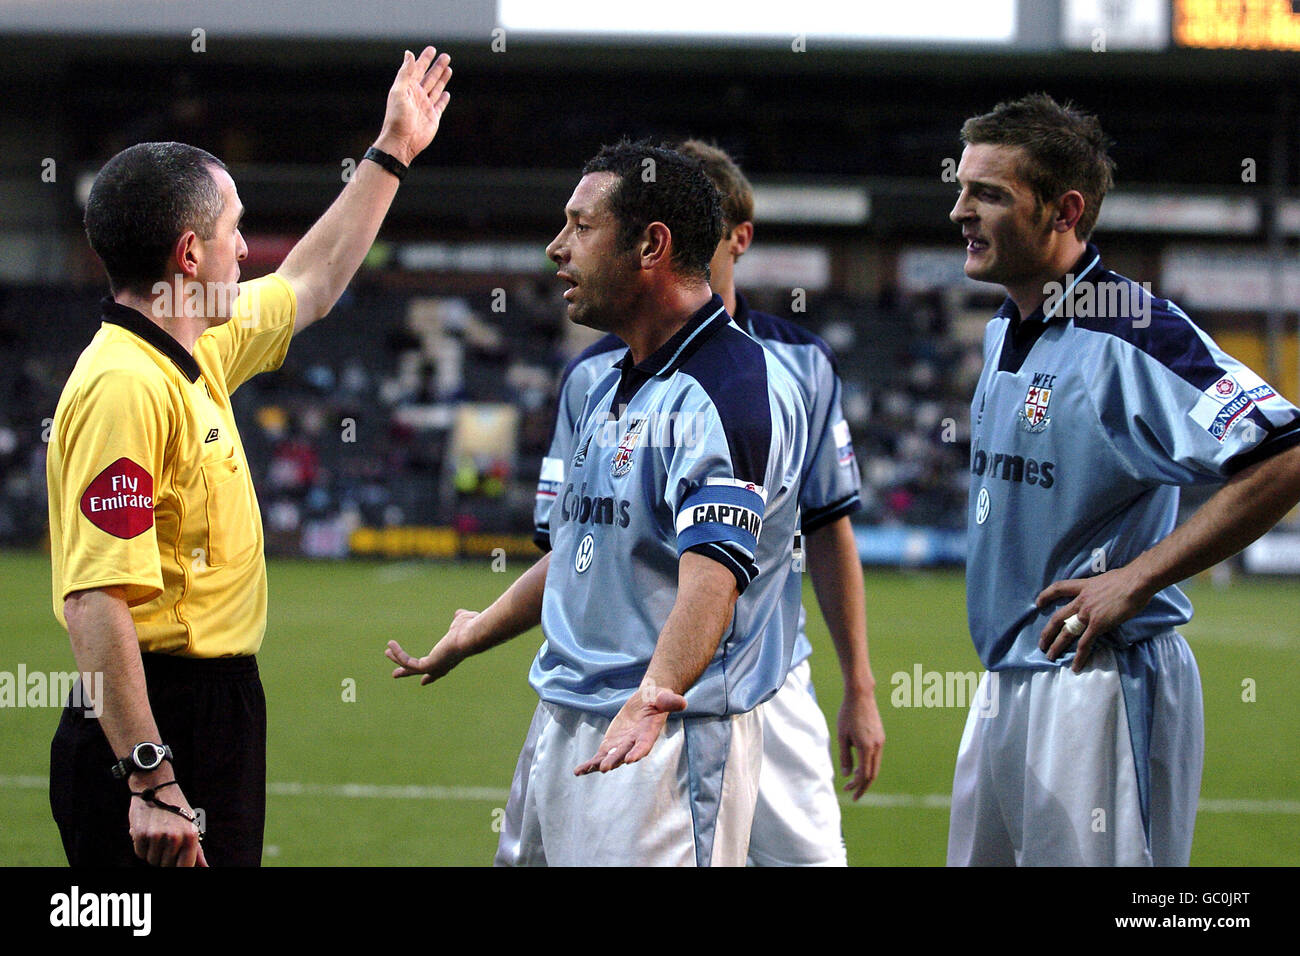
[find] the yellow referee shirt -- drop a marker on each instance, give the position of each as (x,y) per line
(149,488)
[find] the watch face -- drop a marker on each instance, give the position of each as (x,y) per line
(148,756)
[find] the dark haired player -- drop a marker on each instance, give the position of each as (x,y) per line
(797,820)
(1096,402)
(155,534)
(671,546)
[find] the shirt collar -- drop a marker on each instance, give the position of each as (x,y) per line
(698,328)
(134,322)
(1085,271)
(742,316)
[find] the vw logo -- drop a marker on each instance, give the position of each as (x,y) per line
(981,507)
(583,559)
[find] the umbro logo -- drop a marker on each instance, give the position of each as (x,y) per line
(212,436)
(581,456)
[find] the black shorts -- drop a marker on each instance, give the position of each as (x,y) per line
(212,714)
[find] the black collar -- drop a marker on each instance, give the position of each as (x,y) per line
(742,316)
(1023,333)
(669,357)
(133,321)
(1087,270)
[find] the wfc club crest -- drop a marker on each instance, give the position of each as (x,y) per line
(1033,416)
(622,463)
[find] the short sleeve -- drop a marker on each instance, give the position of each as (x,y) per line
(103,478)
(256,338)
(716,473)
(1186,412)
(574,394)
(832,483)
(551,477)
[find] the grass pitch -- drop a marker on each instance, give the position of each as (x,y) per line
(365,770)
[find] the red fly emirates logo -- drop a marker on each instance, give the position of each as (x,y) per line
(120,500)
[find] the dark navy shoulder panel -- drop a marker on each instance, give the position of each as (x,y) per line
(732,369)
(776,329)
(1161,331)
(603,346)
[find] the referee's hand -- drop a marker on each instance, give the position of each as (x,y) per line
(416,102)
(162,838)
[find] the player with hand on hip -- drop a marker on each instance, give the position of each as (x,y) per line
(1096,402)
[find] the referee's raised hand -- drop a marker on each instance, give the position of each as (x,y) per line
(415,104)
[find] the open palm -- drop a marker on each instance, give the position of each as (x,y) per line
(416,102)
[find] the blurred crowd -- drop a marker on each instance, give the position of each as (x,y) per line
(436,409)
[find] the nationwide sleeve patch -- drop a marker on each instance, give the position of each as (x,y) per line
(120,500)
(843,442)
(552,476)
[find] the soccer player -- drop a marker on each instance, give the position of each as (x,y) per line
(1097,400)
(155,535)
(671,547)
(797,821)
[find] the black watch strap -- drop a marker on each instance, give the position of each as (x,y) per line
(131,763)
(387,161)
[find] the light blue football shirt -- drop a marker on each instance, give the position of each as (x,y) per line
(831,483)
(1083,425)
(699,447)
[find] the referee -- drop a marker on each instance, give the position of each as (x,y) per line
(155,534)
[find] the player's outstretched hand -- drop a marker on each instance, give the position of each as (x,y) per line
(446,654)
(860,728)
(415,104)
(163,838)
(1102,603)
(635,728)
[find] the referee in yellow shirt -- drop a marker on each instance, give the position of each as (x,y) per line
(155,533)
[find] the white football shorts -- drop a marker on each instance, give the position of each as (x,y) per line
(1101,768)
(797,820)
(689,802)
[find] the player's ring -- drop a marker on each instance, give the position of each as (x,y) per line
(1073,626)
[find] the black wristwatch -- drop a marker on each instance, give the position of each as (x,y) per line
(143,757)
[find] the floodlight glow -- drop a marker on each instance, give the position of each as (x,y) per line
(932,21)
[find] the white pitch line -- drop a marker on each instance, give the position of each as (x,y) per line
(399,572)
(940,801)
(374,791)
(365,791)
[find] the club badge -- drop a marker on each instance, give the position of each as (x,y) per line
(1033,416)
(622,462)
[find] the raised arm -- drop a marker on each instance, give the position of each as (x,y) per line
(836,574)
(706,595)
(1251,502)
(323,262)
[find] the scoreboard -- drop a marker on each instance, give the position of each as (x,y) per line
(1237,24)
